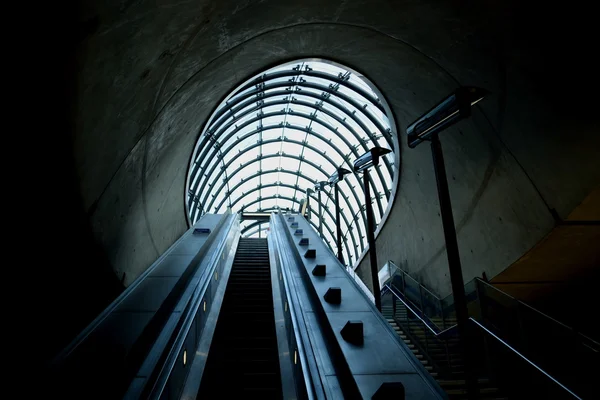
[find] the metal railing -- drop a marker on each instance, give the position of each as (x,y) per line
(525,328)
(422,333)
(168,377)
(551,382)
(109,354)
(508,368)
(306,375)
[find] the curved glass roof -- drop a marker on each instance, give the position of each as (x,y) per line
(283,131)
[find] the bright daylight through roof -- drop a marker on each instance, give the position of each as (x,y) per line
(283,131)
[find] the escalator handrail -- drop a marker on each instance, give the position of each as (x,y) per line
(96,322)
(433,331)
(156,386)
(308,368)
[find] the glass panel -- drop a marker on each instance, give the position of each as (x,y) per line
(318,159)
(357,81)
(244,157)
(333,145)
(272,134)
(301,109)
(268,204)
(290,164)
(412,291)
(312,173)
(287,192)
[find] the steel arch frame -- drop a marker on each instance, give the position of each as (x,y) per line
(332,93)
(331,232)
(285,171)
(211,137)
(260,143)
(259,187)
(324,124)
(342,95)
(316,74)
(278,140)
(315,106)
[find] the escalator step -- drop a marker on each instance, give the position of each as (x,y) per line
(243,360)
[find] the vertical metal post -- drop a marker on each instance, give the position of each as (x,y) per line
(443,315)
(479,300)
(371,241)
(338,223)
(320,216)
(456,278)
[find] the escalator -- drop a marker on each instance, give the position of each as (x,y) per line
(243,359)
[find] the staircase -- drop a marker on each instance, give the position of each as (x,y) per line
(441,358)
(243,361)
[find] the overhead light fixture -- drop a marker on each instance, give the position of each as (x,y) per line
(370,158)
(447,112)
(321,185)
(428,127)
(337,176)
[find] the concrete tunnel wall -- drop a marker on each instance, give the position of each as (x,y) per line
(149,74)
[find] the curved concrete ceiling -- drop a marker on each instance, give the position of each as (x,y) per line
(121,89)
(152,72)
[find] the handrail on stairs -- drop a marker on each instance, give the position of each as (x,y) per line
(586,340)
(388,289)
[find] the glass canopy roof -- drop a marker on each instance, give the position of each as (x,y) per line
(283,131)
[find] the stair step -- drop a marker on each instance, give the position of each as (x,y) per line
(462,382)
(244,347)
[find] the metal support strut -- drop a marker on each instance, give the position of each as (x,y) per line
(338,223)
(456,278)
(371,240)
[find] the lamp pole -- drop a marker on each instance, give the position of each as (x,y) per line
(334,180)
(362,164)
(454,265)
(449,111)
(371,241)
(319,187)
(320,215)
(309,191)
(338,225)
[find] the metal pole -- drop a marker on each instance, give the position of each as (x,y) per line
(320,216)
(371,241)
(340,256)
(456,278)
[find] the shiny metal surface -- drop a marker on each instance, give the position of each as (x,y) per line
(167,378)
(206,322)
(381,355)
(299,327)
